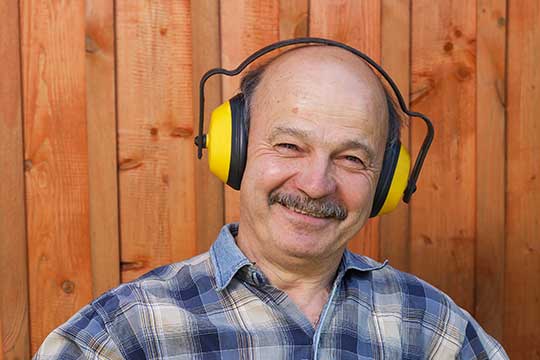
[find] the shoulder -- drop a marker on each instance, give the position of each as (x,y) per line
(422,310)
(411,291)
(119,315)
(168,285)
(394,291)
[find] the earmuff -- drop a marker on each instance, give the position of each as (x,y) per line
(226,141)
(227,137)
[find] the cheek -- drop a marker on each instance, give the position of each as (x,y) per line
(267,172)
(357,191)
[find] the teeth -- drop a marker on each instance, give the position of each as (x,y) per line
(303,212)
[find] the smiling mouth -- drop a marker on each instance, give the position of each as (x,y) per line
(315,208)
(303,212)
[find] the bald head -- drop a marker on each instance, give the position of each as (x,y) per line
(332,69)
(331,64)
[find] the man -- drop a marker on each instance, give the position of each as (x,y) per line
(281,284)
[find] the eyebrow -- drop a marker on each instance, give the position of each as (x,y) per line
(304,135)
(356,144)
(291,131)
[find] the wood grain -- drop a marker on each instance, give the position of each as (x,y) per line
(293,19)
(56,162)
(14,326)
(443,87)
(490,184)
(396,60)
(245,27)
(206,55)
(522,274)
(155,134)
(1,343)
(102,158)
(358,24)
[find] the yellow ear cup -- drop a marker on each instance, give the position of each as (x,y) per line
(218,141)
(399,181)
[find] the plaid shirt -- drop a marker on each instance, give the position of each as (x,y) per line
(218,305)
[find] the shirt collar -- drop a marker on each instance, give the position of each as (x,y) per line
(228,259)
(352,261)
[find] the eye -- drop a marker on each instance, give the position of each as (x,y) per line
(288,146)
(354,159)
(352,162)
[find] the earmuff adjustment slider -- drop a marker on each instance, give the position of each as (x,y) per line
(203,145)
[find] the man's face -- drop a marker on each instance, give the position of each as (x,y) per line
(316,143)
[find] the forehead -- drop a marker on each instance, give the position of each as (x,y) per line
(321,87)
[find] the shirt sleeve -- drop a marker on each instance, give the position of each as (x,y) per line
(478,344)
(84,336)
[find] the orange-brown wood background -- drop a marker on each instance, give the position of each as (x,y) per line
(100,182)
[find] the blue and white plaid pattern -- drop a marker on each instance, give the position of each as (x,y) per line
(218,305)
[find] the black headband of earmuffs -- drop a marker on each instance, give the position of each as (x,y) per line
(411,185)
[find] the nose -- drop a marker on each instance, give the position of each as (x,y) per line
(315,178)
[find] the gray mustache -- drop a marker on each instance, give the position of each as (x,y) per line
(321,208)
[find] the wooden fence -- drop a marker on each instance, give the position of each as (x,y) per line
(100,183)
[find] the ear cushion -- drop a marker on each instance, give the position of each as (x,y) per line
(239,142)
(226,141)
(393,179)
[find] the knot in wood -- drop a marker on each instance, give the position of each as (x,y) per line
(28,165)
(68,286)
(90,45)
(182,132)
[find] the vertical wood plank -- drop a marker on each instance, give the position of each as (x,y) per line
(155,129)
(206,55)
(443,87)
(522,275)
(357,23)
(293,18)
(1,343)
(14,327)
(245,26)
(395,54)
(56,162)
(490,184)
(102,159)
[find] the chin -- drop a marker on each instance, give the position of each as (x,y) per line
(302,252)
(302,235)
(305,242)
